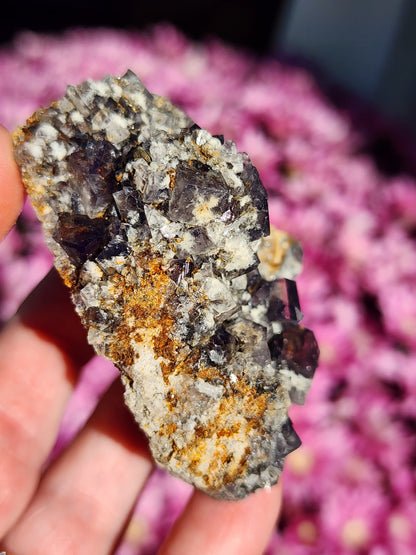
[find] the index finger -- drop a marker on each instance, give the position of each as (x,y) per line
(11,188)
(209,525)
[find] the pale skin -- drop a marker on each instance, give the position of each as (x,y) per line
(82,502)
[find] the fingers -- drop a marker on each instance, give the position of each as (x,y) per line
(50,313)
(11,188)
(85,498)
(208,526)
(41,351)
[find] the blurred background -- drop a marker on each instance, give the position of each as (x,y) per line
(321,94)
(367,47)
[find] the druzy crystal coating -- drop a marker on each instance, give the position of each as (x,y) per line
(161,231)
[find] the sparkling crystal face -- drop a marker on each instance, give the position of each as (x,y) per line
(161,231)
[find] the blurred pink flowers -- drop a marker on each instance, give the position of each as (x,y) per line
(351,487)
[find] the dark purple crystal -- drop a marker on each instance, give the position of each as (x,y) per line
(81,237)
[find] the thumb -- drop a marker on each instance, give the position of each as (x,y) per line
(11,188)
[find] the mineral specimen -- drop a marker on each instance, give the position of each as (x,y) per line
(161,231)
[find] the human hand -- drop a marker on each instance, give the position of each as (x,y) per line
(81,502)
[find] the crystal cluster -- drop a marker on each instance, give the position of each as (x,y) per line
(161,231)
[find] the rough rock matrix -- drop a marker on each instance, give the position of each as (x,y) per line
(161,231)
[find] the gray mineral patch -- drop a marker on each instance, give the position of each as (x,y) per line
(161,231)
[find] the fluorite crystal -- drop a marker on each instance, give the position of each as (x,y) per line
(161,231)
